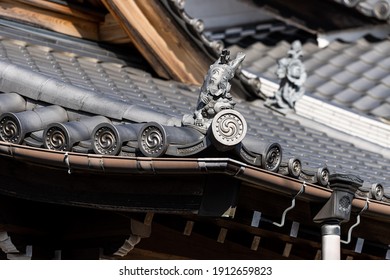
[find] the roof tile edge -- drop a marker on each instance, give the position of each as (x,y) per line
(379,132)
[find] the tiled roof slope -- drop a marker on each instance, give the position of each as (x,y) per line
(136,87)
(233,20)
(354,76)
(379,9)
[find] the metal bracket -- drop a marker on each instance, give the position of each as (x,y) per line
(302,190)
(66,160)
(356,224)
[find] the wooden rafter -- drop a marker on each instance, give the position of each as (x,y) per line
(188,228)
(222,235)
(255,243)
(157,37)
(111,31)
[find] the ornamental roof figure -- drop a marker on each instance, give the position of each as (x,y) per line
(292,75)
(214,93)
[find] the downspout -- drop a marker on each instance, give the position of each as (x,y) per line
(337,210)
(330,241)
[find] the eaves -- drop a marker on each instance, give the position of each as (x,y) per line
(251,176)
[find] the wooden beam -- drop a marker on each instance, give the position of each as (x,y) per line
(142,254)
(168,49)
(287,250)
(318,255)
(55,21)
(73,10)
(112,32)
(168,241)
(255,243)
(148,218)
(222,235)
(188,228)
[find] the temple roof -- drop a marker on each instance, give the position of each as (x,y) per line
(107,101)
(138,97)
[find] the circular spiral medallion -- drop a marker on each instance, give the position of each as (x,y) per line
(152,140)
(273,158)
(229,127)
(323,176)
(382,10)
(55,139)
(294,167)
(10,130)
(377,191)
(105,141)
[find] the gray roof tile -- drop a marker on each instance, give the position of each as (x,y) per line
(382,111)
(312,63)
(325,55)
(314,81)
(385,62)
(279,51)
(330,89)
(367,103)
(344,77)
(386,80)
(264,63)
(362,84)
(372,56)
(309,48)
(341,60)
(337,46)
(376,73)
(382,47)
(355,50)
(380,92)
(326,70)
(347,96)
(358,67)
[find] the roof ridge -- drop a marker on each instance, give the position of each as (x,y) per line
(352,124)
(330,115)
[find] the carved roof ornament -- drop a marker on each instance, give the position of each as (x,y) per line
(215,94)
(292,75)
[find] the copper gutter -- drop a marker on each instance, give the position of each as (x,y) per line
(255,177)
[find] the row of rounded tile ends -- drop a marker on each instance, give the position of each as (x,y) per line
(226,136)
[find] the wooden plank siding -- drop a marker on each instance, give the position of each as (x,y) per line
(52,17)
(76,21)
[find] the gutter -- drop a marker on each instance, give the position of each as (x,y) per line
(255,177)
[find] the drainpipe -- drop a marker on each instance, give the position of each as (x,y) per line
(337,210)
(330,241)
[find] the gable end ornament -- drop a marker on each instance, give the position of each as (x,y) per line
(215,115)
(292,75)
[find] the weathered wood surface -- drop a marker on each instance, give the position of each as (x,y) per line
(156,35)
(111,31)
(53,17)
